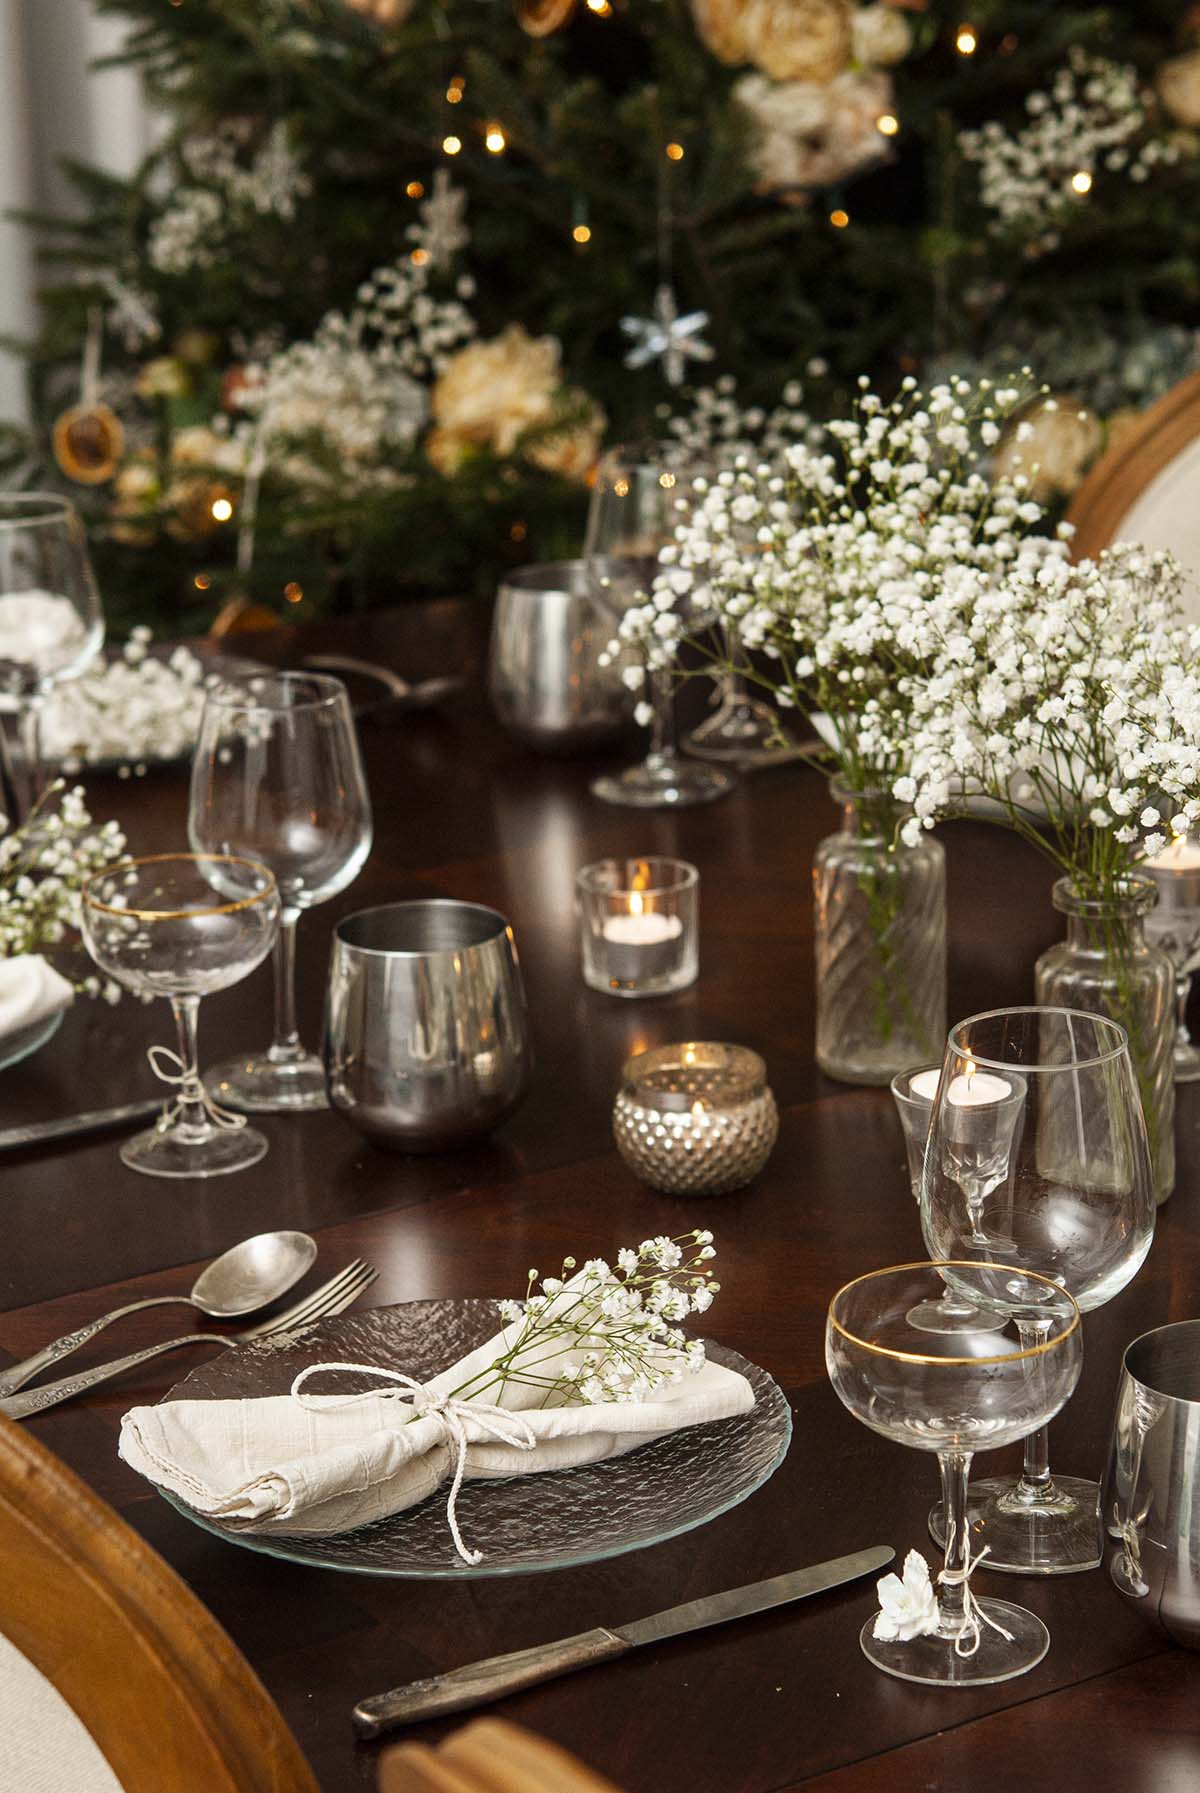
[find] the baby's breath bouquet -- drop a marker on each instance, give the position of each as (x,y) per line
(824,559)
(44,864)
(1068,695)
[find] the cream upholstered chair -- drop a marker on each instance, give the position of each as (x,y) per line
(1146,488)
(112,1674)
(488,1756)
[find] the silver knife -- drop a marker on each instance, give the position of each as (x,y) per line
(479,1682)
(95,1121)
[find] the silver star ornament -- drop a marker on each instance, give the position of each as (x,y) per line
(667,337)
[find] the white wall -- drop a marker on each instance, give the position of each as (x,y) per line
(52,104)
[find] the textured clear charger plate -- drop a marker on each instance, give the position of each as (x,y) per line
(521,1523)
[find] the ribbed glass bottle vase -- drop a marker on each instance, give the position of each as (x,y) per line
(880,943)
(1106,966)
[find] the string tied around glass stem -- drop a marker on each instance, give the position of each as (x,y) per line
(189,1090)
(499,1424)
(973,1614)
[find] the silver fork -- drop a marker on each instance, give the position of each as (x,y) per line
(332,1297)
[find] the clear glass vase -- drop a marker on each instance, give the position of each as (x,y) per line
(880,943)
(1106,966)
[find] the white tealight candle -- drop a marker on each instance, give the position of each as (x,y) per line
(924,1085)
(977,1089)
(1182,855)
(640,944)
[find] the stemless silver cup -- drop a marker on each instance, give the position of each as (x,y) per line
(426,1040)
(1151,1499)
(545,679)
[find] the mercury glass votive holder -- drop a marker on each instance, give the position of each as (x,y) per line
(697,1118)
(639,925)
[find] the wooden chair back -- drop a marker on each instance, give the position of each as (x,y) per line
(163,1692)
(1146,487)
(488,1756)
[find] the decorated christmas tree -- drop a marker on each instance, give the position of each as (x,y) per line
(358,326)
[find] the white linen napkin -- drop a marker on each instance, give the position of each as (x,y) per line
(328,1463)
(30,990)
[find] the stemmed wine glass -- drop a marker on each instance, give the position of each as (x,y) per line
(632,515)
(743,730)
(1067,1194)
(182,925)
(954,1394)
(277,776)
(51,621)
(1174,924)
(914,1093)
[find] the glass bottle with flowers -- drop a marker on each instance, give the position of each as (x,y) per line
(1063,694)
(822,559)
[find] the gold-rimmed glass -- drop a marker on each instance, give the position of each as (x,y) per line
(182,925)
(1045,1167)
(954,1394)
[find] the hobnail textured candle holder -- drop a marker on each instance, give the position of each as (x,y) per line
(695,1119)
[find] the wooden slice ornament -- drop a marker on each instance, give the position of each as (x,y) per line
(88,440)
(540,17)
(88,443)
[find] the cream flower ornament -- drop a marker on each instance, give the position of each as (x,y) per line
(491,392)
(908,1608)
(881,35)
(1053,445)
(811,134)
(1178,84)
(790,40)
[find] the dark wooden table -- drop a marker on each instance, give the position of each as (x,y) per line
(780,1700)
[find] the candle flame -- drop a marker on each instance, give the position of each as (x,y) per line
(689,1055)
(641,875)
(636,902)
(699,1109)
(969,1071)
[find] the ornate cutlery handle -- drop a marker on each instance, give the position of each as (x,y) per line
(35,1400)
(18,1374)
(481,1682)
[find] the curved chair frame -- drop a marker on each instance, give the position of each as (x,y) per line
(1124,472)
(163,1692)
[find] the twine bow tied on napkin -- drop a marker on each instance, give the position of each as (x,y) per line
(189,1091)
(498,1423)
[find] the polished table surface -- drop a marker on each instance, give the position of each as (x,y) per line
(777,1701)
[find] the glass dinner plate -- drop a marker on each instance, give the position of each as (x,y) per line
(521,1523)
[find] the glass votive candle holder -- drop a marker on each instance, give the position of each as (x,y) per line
(639,925)
(697,1118)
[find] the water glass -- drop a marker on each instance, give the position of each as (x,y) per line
(183,925)
(1044,1168)
(277,777)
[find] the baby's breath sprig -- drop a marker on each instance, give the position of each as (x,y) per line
(44,864)
(602,1334)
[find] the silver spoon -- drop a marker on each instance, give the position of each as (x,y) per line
(246,1277)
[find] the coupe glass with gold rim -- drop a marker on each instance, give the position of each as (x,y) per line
(182,925)
(1043,1166)
(953,1393)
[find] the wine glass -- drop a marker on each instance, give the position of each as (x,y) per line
(632,515)
(1066,1192)
(51,621)
(182,925)
(277,777)
(954,1394)
(743,730)
(914,1093)
(1174,924)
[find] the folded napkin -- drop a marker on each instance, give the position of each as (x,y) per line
(30,990)
(321,1463)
